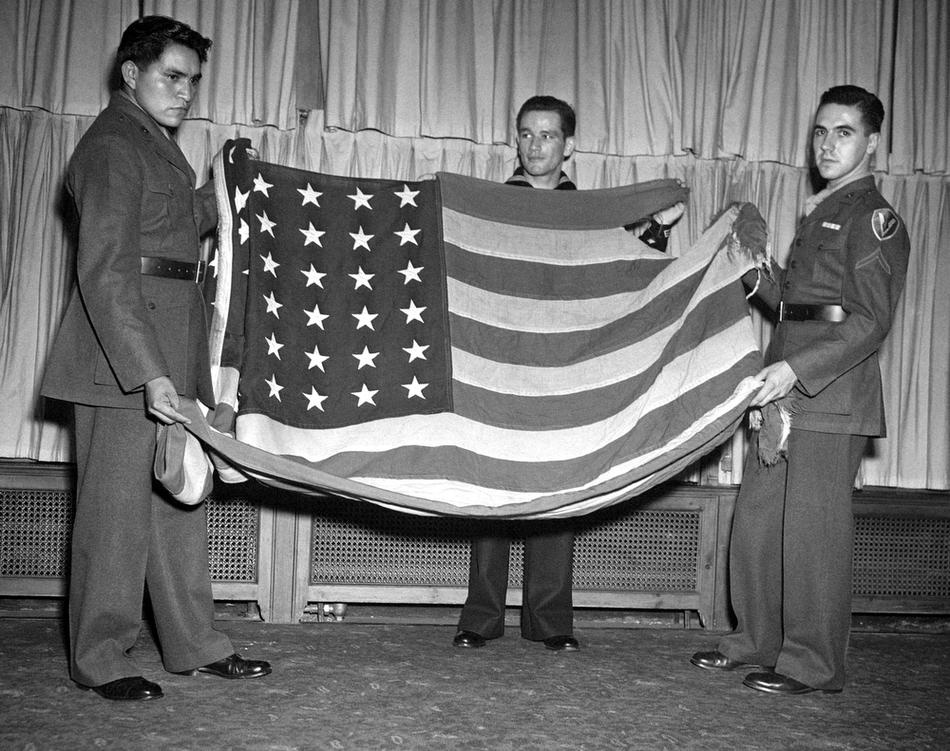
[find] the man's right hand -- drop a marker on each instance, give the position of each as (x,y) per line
(778,379)
(161,401)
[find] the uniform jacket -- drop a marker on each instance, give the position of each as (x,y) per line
(852,250)
(135,196)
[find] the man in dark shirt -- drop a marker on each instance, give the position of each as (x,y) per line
(545,139)
(545,135)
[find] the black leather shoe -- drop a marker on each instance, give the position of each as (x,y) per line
(469,640)
(562,643)
(128,689)
(234,666)
(716,660)
(776,683)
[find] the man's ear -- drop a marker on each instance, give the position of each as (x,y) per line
(568,147)
(874,140)
(130,73)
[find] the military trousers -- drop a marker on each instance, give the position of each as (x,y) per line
(790,559)
(128,535)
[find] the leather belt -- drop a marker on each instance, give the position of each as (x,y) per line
(791,312)
(153,266)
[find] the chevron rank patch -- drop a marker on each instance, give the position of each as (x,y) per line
(885,223)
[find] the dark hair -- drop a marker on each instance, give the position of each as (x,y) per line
(872,111)
(543,103)
(144,41)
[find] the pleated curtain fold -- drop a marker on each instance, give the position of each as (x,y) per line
(716,93)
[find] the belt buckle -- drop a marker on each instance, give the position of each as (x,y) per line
(199,272)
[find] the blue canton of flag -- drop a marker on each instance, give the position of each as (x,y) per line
(345,296)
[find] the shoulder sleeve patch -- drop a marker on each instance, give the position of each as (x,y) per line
(885,223)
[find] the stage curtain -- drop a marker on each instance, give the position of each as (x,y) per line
(916,357)
(58,55)
(718,94)
(920,95)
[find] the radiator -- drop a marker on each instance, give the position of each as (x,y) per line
(666,550)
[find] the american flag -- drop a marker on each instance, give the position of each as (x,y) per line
(457,346)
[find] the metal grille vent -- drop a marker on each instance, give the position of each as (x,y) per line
(35,527)
(363,544)
(233,540)
(34,532)
(643,551)
(901,556)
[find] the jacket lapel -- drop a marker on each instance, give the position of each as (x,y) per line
(846,194)
(165,147)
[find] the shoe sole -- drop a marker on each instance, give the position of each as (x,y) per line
(791,692)
(726,669)
(122,698)
(202,671)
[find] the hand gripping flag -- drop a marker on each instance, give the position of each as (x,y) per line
(456,346)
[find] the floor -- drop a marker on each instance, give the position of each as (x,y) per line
(365,685)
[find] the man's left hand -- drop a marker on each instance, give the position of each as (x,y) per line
(669,215)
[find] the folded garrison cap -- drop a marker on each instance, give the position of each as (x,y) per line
(182,465)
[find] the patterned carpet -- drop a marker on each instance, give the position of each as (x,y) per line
(365,686)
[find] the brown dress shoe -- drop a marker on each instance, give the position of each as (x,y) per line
(716,660)
(468,640)
(776,683)
(135,688)
(234,666)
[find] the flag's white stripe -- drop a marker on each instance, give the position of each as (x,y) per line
(559,247)
(226,386)
(595,372)
(565,247)
(714,356)
(554,316)
(466,494)
(223,269)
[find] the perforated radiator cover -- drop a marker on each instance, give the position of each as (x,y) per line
(901,557)
(645,551)
(898,557)
(35,527)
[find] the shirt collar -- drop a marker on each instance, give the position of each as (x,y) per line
(853,185)
(518,178)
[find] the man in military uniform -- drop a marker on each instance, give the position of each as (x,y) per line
(132,340)
(791,547)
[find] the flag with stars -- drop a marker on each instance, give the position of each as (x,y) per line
(342,317)
(456,346)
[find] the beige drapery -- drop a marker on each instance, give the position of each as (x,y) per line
(716,92)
